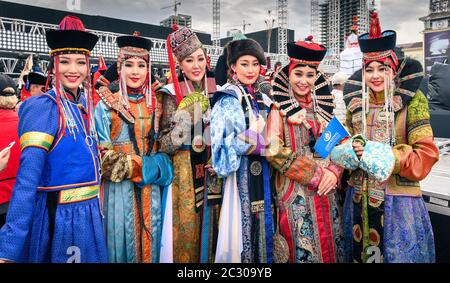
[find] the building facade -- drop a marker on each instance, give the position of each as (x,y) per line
(180,20)
(334,19)
(436,40)
(413,50)
(439,15)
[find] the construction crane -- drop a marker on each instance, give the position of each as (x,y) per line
(243,26)
(174,6)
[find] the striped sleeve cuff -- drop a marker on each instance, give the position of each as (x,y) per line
(36,139)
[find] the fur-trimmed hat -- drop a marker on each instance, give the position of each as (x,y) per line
(242,47)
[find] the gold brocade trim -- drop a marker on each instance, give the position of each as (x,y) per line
(78,194)
(397,161)
(397,187)
(257,206)
(130,166)
(36,139)
(376,55)
(280,156)
(106,145)
(199,189)
(58,50)
(287,163)
(298,61)
(214,197)
(419,133)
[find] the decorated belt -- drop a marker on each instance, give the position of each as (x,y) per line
(78,194)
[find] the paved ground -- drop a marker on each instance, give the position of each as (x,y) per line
(438,181)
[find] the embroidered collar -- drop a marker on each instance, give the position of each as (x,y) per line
(289,106)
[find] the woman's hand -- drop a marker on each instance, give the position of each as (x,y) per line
(327,183)
(257,124)
(358,148)
(210,169)
(4,157)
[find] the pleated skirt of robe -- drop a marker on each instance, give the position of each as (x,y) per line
(125,208)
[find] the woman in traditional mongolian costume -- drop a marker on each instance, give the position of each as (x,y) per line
(54,213)
(184,134)
(308,216)
(391,150)
(134,177)
(237,120)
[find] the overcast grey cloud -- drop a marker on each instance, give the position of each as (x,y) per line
(400,15)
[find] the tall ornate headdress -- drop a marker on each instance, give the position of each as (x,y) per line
(408,73)
(71,37)
(131,46)
(311,54)
(181,43)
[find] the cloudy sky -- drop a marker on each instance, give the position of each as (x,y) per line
(400,15)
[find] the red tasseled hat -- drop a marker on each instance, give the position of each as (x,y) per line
(70,37)
(172,65)
(134,40)
(305,52)
(375,40)
(375,28)
(71,23)
(378,46)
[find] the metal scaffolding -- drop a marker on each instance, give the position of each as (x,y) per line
(334,32)
(364,17)
(282,30)
(27,37)
(216,23)
(331,20)
(315,21)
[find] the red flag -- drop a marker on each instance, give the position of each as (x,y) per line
(24,94)
(101,64)
(101,68)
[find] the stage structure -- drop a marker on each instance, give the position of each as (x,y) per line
(22,32)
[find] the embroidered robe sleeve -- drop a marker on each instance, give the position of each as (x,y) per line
(348,122)
(415,159)
(292,165)
(116,166)
(38,126)
(174,127)
(227,135)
